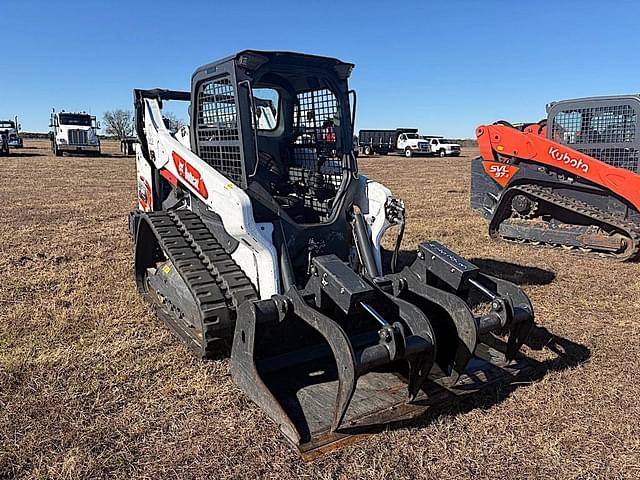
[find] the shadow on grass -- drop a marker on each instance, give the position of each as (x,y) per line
(447,402)
(103,155)
(567,354)
(20,153)
(514,273)
(511,272)
(116,155)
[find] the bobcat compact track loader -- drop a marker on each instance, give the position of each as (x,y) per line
(572,180)
(256,231)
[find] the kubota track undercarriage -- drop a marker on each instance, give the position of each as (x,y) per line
(536,214)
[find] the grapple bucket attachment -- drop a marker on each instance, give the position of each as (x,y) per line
(338,356)
(345,355)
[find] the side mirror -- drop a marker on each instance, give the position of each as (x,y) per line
(98,125)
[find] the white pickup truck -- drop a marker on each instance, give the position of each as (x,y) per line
(443,147)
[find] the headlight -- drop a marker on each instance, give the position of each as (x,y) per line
(62,140)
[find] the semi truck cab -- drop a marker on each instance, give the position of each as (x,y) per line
(11,129)
(74,132)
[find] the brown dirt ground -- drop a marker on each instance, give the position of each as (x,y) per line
(93,386)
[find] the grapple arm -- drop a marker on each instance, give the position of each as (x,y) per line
(510,309)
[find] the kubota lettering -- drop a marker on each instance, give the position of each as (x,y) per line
(565,158)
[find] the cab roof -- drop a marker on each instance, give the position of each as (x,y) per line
(253,59)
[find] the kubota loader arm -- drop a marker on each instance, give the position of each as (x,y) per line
(498,141)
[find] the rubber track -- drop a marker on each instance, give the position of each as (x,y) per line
(230,278)
(216,282)
(630,229)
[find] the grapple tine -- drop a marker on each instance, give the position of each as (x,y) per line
(449,316)
(244,369)
(341,348)
(520,313)
(419,369)
(420,364)
(247,375)
(438,268)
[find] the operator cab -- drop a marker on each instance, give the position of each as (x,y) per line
(409,136)
(279,126)
(297,153)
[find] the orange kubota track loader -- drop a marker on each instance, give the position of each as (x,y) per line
(572,180)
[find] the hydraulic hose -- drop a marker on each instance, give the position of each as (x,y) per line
(396,249)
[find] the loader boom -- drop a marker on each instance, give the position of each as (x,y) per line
(181,167)
(499,142)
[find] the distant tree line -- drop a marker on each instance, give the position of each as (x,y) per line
(120,123)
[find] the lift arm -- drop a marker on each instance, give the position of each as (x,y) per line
(181,167)
(498,141)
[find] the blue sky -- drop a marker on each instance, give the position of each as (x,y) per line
(444,67)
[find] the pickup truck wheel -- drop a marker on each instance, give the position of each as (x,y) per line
(442,153)
(408,152)
(368,151)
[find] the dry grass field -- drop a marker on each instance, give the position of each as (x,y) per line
(93,386)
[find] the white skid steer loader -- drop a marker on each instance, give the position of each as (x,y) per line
(255,231)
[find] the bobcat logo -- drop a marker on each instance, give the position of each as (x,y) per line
(190,174)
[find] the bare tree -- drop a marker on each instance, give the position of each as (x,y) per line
(119,123)
(172,121)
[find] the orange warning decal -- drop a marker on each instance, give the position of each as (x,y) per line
(190,174)
(500,172)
